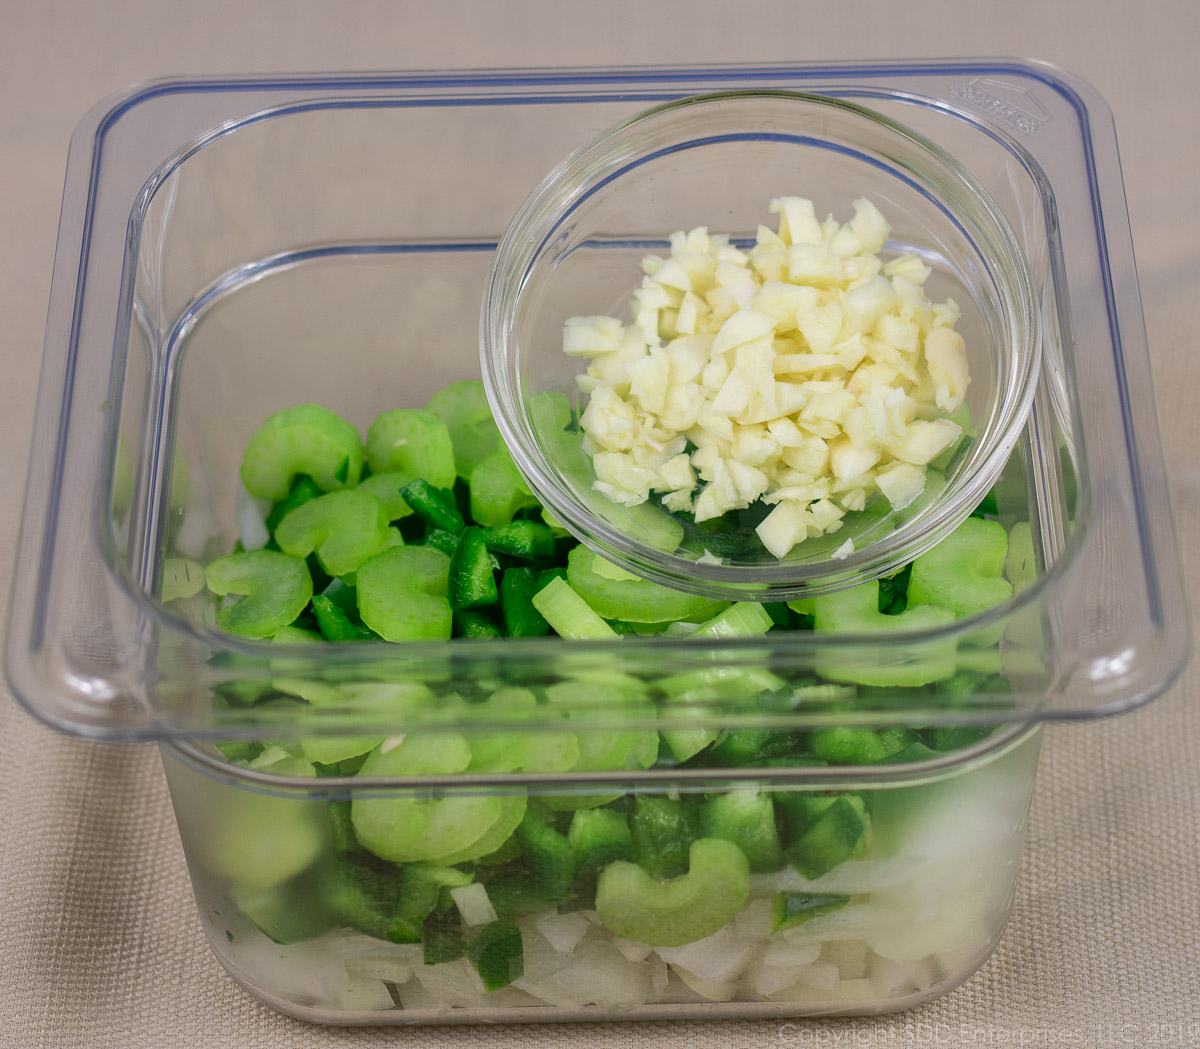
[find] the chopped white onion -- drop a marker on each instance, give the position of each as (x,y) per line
(250,514)
(473,904)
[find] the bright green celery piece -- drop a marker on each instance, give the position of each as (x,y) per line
(181,577)
(407,829)
(685,743)
(691,695)
(856,611)
(342,528)
(463,407)
(402,594)
(295,635)
(303,489)
(632,599)
(276,587)
(744,619)
(305,439)
(498,490)
(592,705)
(729,683)
(746,818)
(329,750)
(632,904)
(512,811)
(663,830)
(370,701)
(363,701)
(386,488)
(569,615)
(963,573)
(258,840)
(538,750)
(412,441)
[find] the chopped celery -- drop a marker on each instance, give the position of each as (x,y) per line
(402,594)
(963,572)
(342,528)
(276,587)
(412,441)
(856,611)
(498,490)
(386,488)
(306,439)
(670,913)
(634,600)
(569,615)
(463,407)
(403,829)
(744,619)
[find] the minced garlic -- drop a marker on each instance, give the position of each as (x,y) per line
(805,372)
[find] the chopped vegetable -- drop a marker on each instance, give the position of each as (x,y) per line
(276,588)
(591,889)
(305,440)
(412,441)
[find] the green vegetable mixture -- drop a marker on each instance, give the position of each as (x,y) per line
(427,531)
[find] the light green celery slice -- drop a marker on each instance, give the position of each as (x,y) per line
(569,615)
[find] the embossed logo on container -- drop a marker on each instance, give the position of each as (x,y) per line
(1013,106)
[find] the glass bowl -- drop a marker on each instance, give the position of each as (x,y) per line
(575,249)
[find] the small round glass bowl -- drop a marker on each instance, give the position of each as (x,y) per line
(575,249)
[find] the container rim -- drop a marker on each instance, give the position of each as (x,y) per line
(43,661)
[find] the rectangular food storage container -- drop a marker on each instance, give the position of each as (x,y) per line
(652,827)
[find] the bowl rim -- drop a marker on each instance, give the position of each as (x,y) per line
(606,157)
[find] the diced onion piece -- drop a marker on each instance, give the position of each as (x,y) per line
(473,904)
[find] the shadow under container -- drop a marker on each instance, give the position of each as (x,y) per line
(229,248)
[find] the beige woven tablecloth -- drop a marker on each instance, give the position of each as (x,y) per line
(99,939)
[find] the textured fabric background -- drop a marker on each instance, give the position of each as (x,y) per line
(100,945)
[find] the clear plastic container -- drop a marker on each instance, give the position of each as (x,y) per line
(232,247)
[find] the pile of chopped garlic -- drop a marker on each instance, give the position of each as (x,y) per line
(806,372)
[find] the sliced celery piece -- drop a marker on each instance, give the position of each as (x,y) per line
(463,407)
(631,599)
(276,587)
(305,439)
(569,615)
(342,528)
(412,441)
(402,594)
(671,913)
